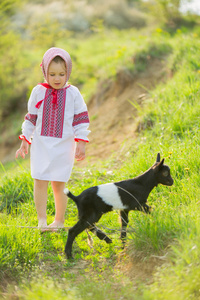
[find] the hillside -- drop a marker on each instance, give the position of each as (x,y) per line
(116,119)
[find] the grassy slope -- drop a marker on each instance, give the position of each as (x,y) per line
(171,232)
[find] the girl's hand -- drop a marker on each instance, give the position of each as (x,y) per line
(80,150)
(23,150)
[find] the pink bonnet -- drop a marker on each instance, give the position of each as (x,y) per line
(50,54)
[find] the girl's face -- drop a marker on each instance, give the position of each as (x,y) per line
(57,75)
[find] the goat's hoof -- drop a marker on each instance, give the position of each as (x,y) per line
(123,243)
(108,240)
(68,254)
(69,257)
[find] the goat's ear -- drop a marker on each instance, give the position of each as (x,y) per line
(158,157)
(157,166)
(162,162)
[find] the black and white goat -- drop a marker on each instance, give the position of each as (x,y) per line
(125,195)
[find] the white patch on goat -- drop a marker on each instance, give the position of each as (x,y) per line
(109,194)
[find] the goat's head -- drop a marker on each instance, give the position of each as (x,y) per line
(162,172)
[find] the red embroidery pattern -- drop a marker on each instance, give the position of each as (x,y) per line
(81,118)
(31,118)
(53,114)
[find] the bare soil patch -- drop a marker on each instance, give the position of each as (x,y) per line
(114,120)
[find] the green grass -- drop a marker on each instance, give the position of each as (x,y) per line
(171,231)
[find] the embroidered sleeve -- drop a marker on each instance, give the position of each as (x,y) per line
(31,118)
(81,119)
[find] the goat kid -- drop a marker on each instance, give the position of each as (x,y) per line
(125,195)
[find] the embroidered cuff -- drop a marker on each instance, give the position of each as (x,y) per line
(77,140)
(22,137)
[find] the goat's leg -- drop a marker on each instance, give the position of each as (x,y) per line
(80,226)
(100,234)
(124,223)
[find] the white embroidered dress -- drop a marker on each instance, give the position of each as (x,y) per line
(52,129)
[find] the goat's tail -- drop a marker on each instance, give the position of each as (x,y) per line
(70,195)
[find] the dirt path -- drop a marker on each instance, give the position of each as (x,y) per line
(113,118)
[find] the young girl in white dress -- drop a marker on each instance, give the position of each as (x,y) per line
(56,126)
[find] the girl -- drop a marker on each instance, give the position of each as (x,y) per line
(57,118)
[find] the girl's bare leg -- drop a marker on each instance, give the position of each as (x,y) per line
(60,204)
(40,198)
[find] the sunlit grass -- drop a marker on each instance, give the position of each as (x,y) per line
(171,231)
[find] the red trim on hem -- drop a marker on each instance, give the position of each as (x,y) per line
(22,137)
(77,140)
